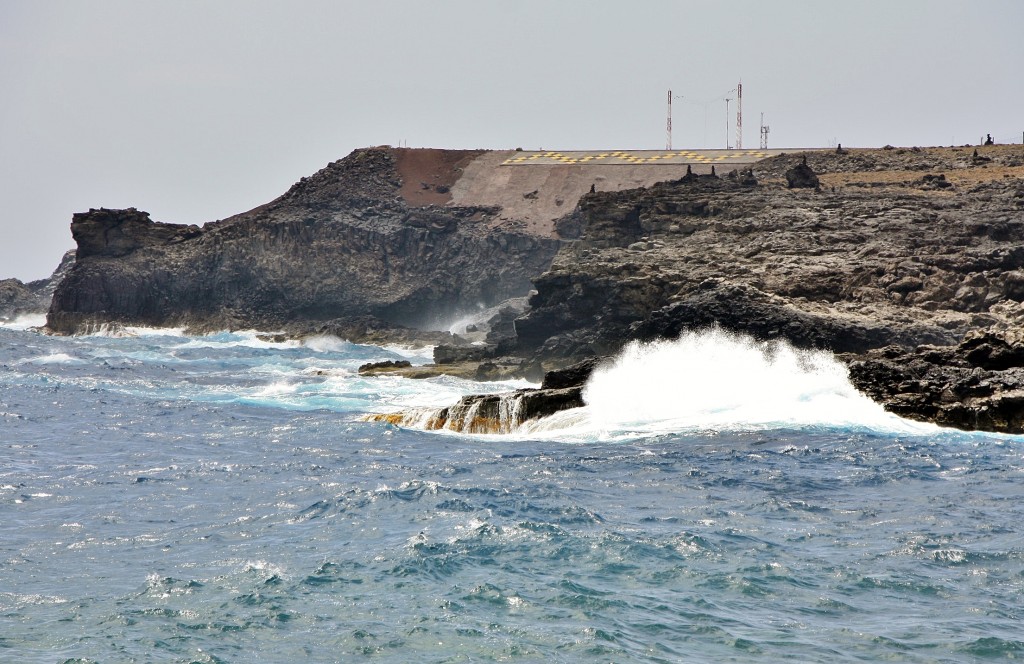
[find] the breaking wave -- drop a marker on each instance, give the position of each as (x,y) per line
(714,380)
(24,322)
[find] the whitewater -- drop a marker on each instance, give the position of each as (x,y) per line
(220,498)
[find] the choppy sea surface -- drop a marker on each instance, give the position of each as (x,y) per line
(166,498)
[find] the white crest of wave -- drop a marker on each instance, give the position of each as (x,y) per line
(715,380)
(275,389)
(53,358)
(25,322)
(326,343)
(237,339)
(141,331)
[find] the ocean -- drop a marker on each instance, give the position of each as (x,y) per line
(174,498)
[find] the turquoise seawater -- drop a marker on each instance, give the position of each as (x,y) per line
(166,498)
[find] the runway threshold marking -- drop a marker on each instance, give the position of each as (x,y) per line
(638,157)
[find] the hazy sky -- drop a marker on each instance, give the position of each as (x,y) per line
(194,110)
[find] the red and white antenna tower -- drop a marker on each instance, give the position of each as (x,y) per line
(668,123)
(739,115)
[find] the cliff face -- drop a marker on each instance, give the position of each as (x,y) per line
(341,244)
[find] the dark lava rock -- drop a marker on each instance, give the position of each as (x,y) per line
(742,308)
(938,181)
(572,376)
(451,354)
(801,176)
(369,330)
(386,364)
(974,385)
(16,299)
(896,266)
(502,325)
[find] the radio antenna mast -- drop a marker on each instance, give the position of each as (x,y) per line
(739,115)
(668,122)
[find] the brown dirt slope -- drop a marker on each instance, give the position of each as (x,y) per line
(428,174)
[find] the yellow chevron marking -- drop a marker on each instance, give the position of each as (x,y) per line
(620,156)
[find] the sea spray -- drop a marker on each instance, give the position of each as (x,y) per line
(708,380)
(24,322)
(716,380)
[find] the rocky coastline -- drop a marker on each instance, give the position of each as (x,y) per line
(343,251)
(912,276)
(18,298)
(908,263)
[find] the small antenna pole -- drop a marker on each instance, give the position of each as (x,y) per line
(764,134)
(739,116)
(727,100)
(668,122)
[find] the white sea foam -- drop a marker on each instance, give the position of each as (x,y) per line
(278,388)
(326,343)
(713,379)
(53,358)
(139,331)
(717,381)
(423,354)
(25,322)
(479,317)
(109,330)
(237,338)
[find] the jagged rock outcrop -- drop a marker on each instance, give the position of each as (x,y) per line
(802,176)
(382,367)
(341,244)
(977,384)
(19,299)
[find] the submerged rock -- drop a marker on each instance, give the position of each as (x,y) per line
(383,367)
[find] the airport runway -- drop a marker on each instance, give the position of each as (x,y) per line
(732,158)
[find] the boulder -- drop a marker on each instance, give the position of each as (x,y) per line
(801,176)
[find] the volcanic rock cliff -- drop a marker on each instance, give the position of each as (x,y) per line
(354,242)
